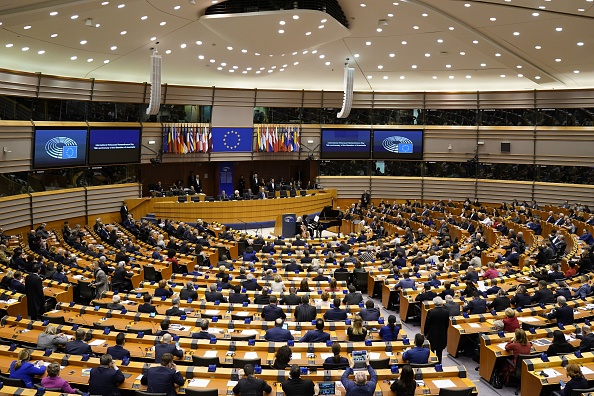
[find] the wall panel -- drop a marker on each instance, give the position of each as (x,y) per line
(521,139)
(506,100)
(385,100)
(234,97)
(15,211)
(17,137)
(177,94)
(399,188)
(18,84)
(121,92)
(104,199)
(53,87)
(582,98)
(556,194)
(493,191)
(437,139)
(272,98)
(346,187)
(450,100)
(435,188)
(565,146)
(60,204)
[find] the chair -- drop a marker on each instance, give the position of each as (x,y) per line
(342,276)
(283,193)
(579,392)
(240,363)
(242,317)
(209,198)
(59,320)
(271,195)
(419,365)
(16,382)
(361,281)
(143,393)
(100,326)
(335,366)
(455,392)
(150,273)
(303,193)
(380,364)
(86,292)
(243,338)
(136,331)
(38,386)
(293,193)
(516,371)
(202,392)
(205,361)
(195,198)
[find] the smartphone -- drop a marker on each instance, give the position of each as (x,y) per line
(562,383)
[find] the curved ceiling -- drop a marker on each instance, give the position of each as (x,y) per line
(412,45)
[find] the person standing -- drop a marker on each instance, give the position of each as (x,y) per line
(124,211)
(34,291)
(100,282)
(436,327)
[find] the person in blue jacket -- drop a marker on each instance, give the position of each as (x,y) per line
(24,370)
(390,331)
(317,335)
(418,354)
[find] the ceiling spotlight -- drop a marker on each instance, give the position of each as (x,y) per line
(193,2)
(89,22)
(382,22)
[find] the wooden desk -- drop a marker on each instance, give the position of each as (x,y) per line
(536,383)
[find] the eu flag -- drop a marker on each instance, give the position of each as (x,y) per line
(232,139)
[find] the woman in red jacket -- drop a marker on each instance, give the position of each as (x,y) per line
(518,345)
(510,322)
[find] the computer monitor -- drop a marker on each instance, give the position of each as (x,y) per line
(327,388)
(195,198)
(182,199)
(303,193)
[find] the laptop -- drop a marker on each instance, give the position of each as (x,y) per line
(327,388)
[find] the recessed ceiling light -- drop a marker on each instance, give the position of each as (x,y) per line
(285,65)
(414,66)
(368,43)
(163,23)
(451,28)
(468,76)
(391,15)
(105,3)
(305,52)
(451,77)
(581,9)
(83,42)
(380,67)
(183,46)
(121,5)
(153,38)
(321,27)
(248,68)
(363,5)
(502,75)
(176,7)
(356,55)
(392,55)
(379,30)
(385,77)
(520,75)
(230,48)
(416,27)
(106,61)
(448,66)
(440,41)
(537,77)
(434,77)
(41,52)
(74,17)
(324,21)
(558,60)
(90,60)
(483,65)
(576,71)
(262,68)
(258,72)
(235,67)
(535,14)
(168,52)
(24,49)
(580,44)
(9,45)
(369,77)
(244,51)
(402,77)
(270,71)
(223,64)
(73,58)
(123,32)
(327,63)
(295,16)
(54,13)
(281,22)
(474,41)
(295,63)
(144,17)
(404,43)
(559,29)
(519,67)
(281,31)
(425,14)
(467,5)
(322,56)
(538,47)
(54,35)
(492,19)
(497,54)
(97,25)
(114,47)
(198,42)
(212,61)
(314,51)
(516,33)
(308,33)
(427,55)
(462,53)
(219,68)
(257,53)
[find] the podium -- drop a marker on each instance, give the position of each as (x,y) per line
(285,225)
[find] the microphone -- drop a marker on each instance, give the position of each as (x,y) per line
(143,354)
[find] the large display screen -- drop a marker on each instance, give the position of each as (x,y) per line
(59,147)
(398,144)
(114,146)
(346,144)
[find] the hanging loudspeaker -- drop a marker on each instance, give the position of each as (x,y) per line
(155,100)
(347,100)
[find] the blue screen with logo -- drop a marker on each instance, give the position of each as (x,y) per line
(114,146)
(59,147)
(346,144)
(398,144)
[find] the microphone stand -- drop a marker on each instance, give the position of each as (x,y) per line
(244,226)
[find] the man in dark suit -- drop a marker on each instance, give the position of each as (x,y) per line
(195,183)
(587,337)
(293,266)
(268,248)
(543,295)
(121,279)
(118,352)
(167,347)
(370,313)
(250,283)
(353,298)
(147,307)
(251,385)
(277,333)
(563,313)
(436,327)
(296,386)
(78,346)
(305,312)
(34,291)
(320,277)
(317,335)
(298,241)
(335,314)
(104,380)
(214,295)
(115,303)
(476,306)
(237,297)
(427,294)
(124,211)
(203,334)
(292,298)
(175,310)
(272,311)
(365,199)
(163,378)
(263,298)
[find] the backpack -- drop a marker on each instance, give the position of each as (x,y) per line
(496,380)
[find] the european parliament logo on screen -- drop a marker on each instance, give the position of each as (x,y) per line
(61,148)
(398,144)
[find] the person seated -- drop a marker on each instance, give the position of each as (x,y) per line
(263,298)
(353,297)
(543,295)
(282,358)
(335,314)
(292,298)
(78,346)
(53,380)
(250,255)
(452,306)
(406,384)
(48,339)
(146,306)
(277,333)
(293,266)
(188,292)
(563,290)
(587,339)
(320,277)
(16,284)
(214,295)
(237,297)
(250,284)
(559,344)
(317,335)
(418,354)
(24,370)
(370,313)
(563,313)
(115,303)
(272,311)
(390,331)
(521,298)
(519,345)
(163,379)
(167,347)
(510,322)
(500,302)
(357,332)
(476,306)
(118,351)
(203,334)
(427,294)
(296,386)
(555,274)
(251,385)
(163,290)
(336,361)
(175,309)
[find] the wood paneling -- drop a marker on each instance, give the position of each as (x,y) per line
(346,187)
(51,206)
(391,188)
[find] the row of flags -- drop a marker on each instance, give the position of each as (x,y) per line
(278,138)
(187,138)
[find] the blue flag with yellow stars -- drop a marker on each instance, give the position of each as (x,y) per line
(232,139)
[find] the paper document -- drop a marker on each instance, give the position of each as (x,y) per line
(502,345)
(444,384)
(552,372)
(210,354)
(242,313)
(374,355)
(249,332)
(527,319)
(326,355)
(97,342)
(212,312)
(481,286)
(251,355)
(296,356)
(475,325)
(198,383)
(586,370)
(457,327)
(231,383)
